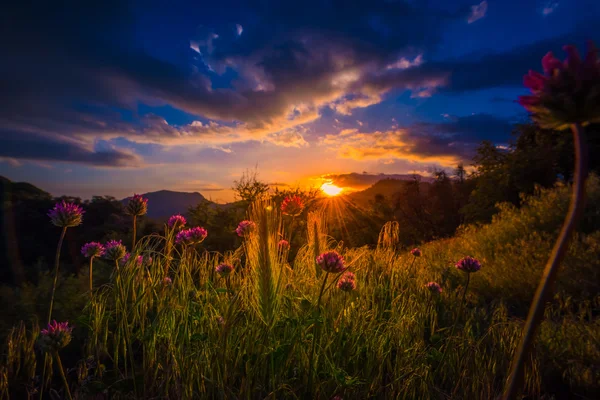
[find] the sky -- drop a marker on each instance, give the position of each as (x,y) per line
(118,97)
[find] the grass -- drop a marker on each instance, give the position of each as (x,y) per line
(199,337)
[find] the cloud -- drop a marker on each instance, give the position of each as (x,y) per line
(446,143)
(549,8)
(478,11)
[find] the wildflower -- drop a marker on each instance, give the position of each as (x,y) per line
(347,282)
(224,269)
(416,252)
(125,258)
(244,228)
(434,287)
(176,222)
(567,93)
(331,261)
(114,250)
(66,215)
(137,205)
(145,260)
(283,244)
(468,264)
(220,320)
(167,281)
(191,236)
(56,336)
(292,205)
(92,249)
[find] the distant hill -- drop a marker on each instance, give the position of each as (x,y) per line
(15,191)
(164,203)
(364,180)
(386,187)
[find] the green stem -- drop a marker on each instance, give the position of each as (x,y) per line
(544,290)
(91,275)
(315,336)
(56,262)
(134,233)
(62,375)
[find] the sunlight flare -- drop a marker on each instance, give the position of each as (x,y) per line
(330,189)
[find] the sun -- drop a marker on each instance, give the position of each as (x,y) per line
(330,189)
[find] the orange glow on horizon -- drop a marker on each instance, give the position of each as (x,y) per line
(331,189)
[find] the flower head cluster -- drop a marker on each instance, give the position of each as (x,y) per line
(468,264)
(416,252)
(331,261)
(92,249)
(114,250)
(66,215)
(434,287)
(292,205)
(191,236)
(567,93)
(56,336)
(283,244)
(176,222)
(244,228)
(224,269)
(167,281)
(137,205)
(347,282)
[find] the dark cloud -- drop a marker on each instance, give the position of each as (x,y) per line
(19,145)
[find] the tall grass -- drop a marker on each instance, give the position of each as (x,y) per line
(139,336)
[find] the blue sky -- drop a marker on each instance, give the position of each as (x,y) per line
(135,96)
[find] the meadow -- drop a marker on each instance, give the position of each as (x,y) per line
(175,321)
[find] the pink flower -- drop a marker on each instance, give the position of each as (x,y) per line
(468,264)
(416,252)
(66,215)
(331,261)
(92,249)
(283,244)
(292,205)
(220,320)
(567,93)
(137,205)
(114,250)
(191,236)
(347,282)
(167,281)
(176,222)
(56,336)
(434,287)
(244,228)
(224,269)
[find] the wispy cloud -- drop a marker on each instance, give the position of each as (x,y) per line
(549,8)
(478,11)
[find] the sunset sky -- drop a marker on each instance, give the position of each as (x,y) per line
(137,96)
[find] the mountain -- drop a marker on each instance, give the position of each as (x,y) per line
(164,203)
(363,181)
(386,187)
(15,191)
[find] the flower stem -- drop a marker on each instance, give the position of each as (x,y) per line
(56,262)
(91,275)
(134,232)
(62,374)
(544,290)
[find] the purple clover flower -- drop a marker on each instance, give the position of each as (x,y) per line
(416,252)
(191,236)
(468,264)
(347,282)
(224,269)
(92,249)
(176,222)
(114,250)
(283,244)
(66,215)
(331,261)
(292,205)
(434,287)
(244,228)
(56,336)
(137,205)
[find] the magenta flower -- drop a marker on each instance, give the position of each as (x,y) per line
(331,261)
(176,222)
(114,250)
(468,264)
(191,236)
(283,244)
(92,249)
(66,215)
(224,269)
(434,287)
(220,320)
(167,281)
(56,336)
(347,282)
(292,205)
(137,205)
(567,93)
(124,259)
(416,252)
(244,228)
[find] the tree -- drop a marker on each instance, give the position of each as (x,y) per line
(249,188)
